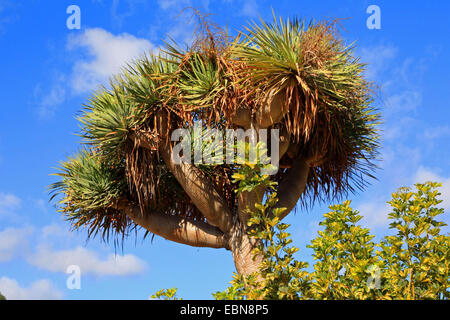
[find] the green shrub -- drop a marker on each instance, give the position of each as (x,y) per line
(412,264)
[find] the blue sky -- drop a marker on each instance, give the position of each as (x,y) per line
(48,71)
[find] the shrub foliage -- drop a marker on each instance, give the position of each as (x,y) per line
(413,263)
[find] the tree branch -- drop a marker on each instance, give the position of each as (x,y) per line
(247,201)
(242,118)
(198,187)
(201,191)
(272,110)
(292,187)
(269,113)
(177,229)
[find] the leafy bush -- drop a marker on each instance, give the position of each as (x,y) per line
(345,253)
(416,260)
(412,264)
(166,294)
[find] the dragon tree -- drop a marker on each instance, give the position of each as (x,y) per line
(300,78)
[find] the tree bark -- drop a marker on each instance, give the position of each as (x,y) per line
(175,228)
(241,246)
(289,193)
(240,243)
(292,187)
(201,191)
(272,111)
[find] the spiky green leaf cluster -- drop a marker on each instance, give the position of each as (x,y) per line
(89,182)
(201,82)
(111,114)
(108,119)
(90,185)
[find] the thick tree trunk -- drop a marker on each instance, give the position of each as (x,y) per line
(240,243)
(241,246)
(289,192)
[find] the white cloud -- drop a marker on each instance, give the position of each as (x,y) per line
(107,53)
(250,8)
(5,19)
(54,231)
(398,126)
(41,204)
(56,96)
(104,54)
(377,58)
(120,13)
(173,4)
(13,242)
(182,26)
(407,100)
(310,230)
(375,213)
(8,202)
(424,174)
(88,261)
(38,290)
(437,132)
